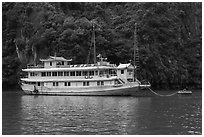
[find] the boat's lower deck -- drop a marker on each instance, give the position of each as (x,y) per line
(129,89)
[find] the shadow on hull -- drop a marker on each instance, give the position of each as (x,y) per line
(131,92)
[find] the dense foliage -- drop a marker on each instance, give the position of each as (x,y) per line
(169,37)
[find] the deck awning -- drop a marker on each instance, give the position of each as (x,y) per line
(125,66)
(51,58)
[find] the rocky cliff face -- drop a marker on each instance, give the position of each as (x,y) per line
(169,37)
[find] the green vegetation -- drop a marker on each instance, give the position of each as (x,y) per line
(169,37)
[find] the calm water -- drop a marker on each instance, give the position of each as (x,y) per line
(24,114)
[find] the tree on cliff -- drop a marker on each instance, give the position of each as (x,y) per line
(169,37)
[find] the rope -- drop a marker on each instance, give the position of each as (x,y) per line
(162,95)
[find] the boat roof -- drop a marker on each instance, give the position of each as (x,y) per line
(52,58)
(68,68)
(124,66)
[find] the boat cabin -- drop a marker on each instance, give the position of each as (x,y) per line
(126,72)
(55,62)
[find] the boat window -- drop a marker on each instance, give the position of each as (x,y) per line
(101,73)
(32,74)
(113,72)
(91,73)
(48,73)
(54,73)
(69,83)
(50,63)
(86,83)
(106,72)
(43,74)
(55,83)
(62,63)
(129,72)
(84,73)
(38,83)
(72,73)
(98,83)
(78,73)
(102,82)
(122,71)
(60,73)
(66,73)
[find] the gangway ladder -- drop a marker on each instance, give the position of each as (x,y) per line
(136,55)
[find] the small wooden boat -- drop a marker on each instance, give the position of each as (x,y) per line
(184,91)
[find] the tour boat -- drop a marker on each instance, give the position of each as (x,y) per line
(58,76)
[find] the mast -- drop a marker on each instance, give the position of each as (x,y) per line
(94,43)
(136,54)
(134,51)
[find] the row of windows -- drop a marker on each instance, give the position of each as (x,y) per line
(73,73)
(65,84)
(84,83)
(100,83)
(59,63)
(32,74)
(69,73)
(55,84)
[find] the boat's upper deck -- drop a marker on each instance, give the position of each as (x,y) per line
(60,63)
(70,68)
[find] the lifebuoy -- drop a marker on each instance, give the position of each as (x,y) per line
(88,77)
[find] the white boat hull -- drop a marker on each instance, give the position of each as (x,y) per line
(130,89)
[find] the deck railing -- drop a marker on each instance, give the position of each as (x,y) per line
(35,66)
(70,66)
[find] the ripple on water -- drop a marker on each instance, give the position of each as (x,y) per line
(104,115)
